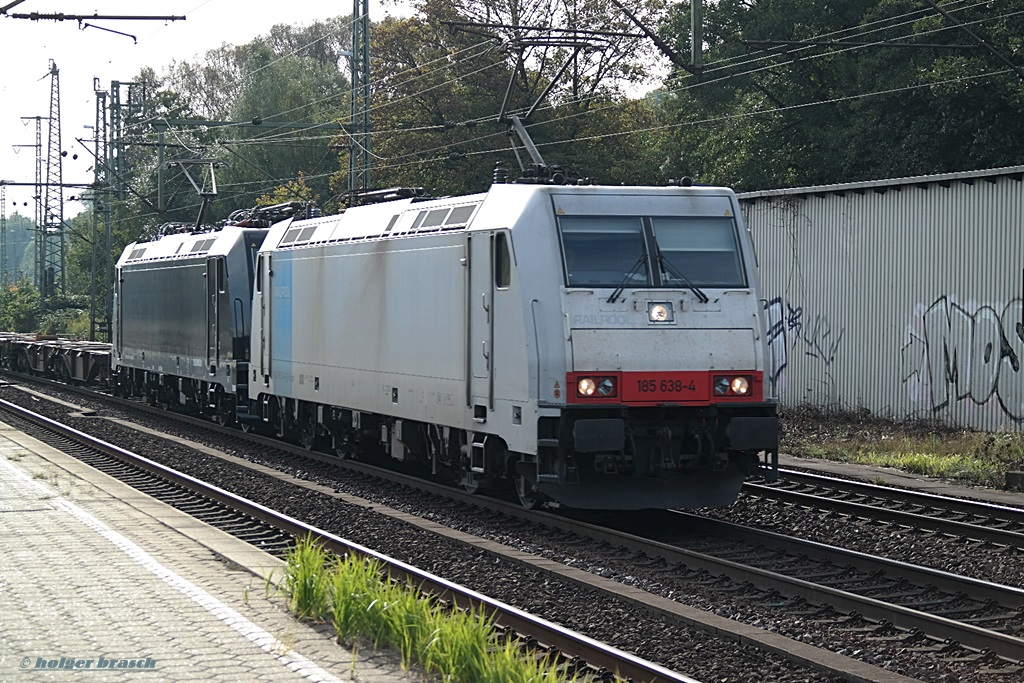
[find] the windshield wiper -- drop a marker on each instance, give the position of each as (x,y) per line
(629,276)
(666,266)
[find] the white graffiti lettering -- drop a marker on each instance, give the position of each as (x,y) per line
(968,356)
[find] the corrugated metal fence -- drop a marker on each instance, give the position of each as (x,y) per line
(901,296)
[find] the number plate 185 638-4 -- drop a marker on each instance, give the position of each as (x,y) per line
(665,386)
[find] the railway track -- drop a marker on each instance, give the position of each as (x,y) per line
(276,532)
(812,580)
(978,520)
(914,601)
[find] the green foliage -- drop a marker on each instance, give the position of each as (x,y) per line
(19,307)
(456,646)
(289,191)
(441,89)
(267,159)
(354,585)
(919,447)
(65,319)
(774,115)
(19,234)
(461,644)
(432,114)
(307,580)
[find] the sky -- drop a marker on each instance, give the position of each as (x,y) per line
(84,54)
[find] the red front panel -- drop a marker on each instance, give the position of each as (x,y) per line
(659,388)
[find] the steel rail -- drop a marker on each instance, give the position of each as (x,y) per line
(935,627)
(910,519)
(570,643)
(979,508)
(979,589)
(871,608)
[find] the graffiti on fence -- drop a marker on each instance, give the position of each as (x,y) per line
(778,349)
(954,355)
(790,331)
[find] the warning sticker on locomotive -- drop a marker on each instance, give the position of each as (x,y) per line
(669,387)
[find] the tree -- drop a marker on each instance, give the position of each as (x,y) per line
(19,306)
(594,39)
(441,84)
(290,75)
(434,108)
(288,89)
(19,236)
(792,112)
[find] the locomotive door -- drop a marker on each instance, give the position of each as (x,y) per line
(263,290)
(115,329)
(480,313)
(214,287)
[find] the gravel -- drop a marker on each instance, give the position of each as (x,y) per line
(687,650)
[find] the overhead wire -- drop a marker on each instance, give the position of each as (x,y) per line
(728,76)
(727,117)
(883,24)
(449,61)
(704,83)
(689,83)
(853,31)
(448,64)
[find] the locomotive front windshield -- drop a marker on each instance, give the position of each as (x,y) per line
(659,251)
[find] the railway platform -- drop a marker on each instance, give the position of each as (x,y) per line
(97,576)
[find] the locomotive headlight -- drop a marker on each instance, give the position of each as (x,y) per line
(731,386)
(598,387)
(660,312)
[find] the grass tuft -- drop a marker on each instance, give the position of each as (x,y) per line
(360,602)
(307,580)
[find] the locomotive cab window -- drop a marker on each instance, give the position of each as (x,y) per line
(701,249)
(661,251)
(600,251)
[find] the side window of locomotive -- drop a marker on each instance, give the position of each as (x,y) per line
(502,262)
(603,251)
(221,269)
(704,250)
(259,274)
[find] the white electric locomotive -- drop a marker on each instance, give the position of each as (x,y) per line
(594,346)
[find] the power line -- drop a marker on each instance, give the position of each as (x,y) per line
(722,118)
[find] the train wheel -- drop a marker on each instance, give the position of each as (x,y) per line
(307,433)
(474,482)
(529,496)
(470,484)
(343,448)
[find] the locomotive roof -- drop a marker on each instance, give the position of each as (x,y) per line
(186,245)
(449,214)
